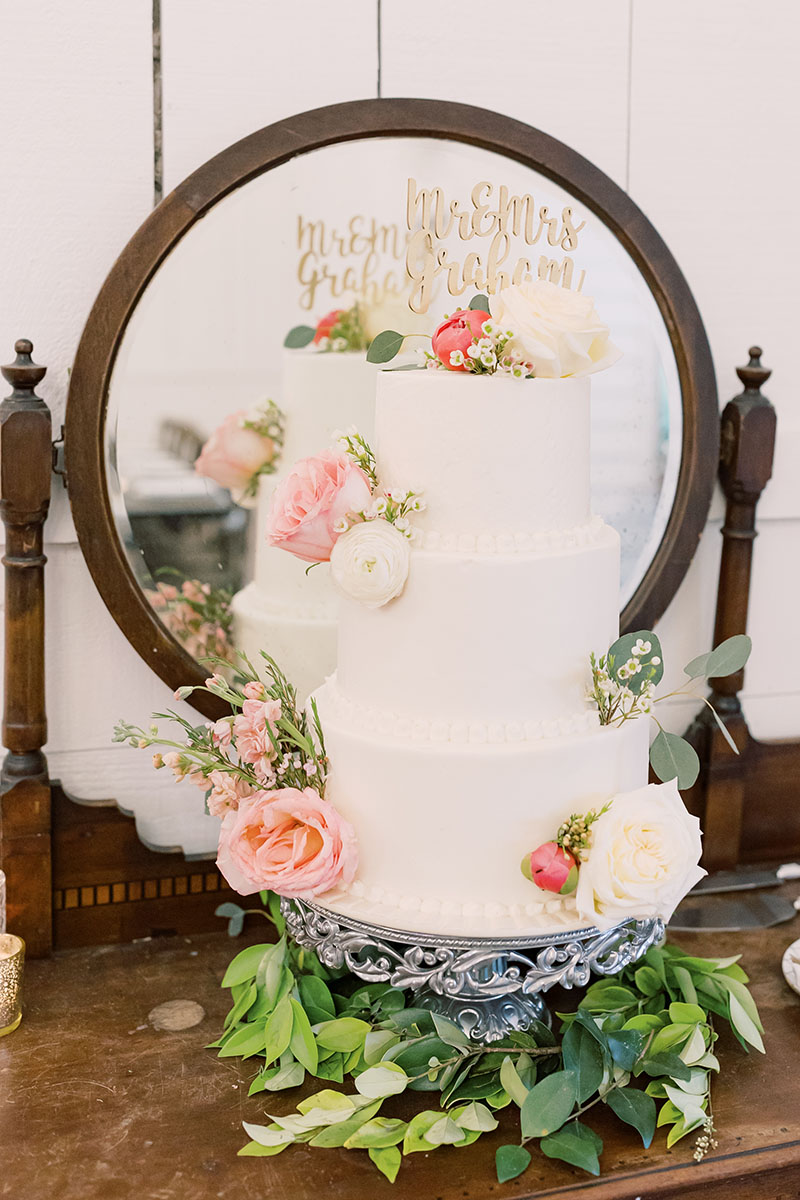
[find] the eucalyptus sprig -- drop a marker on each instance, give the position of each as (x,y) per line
(640,1044)
(623,684)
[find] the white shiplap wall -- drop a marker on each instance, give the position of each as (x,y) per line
(690,107)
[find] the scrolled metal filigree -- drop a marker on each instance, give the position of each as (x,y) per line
(488,986)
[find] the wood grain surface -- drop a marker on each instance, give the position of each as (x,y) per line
(97,1104)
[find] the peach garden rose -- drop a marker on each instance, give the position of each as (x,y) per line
(289,841)
(316,494)
(234,454)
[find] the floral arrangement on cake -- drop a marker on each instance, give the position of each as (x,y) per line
(623,687)
(197,615)
(244,447)
(528,330)
(339,330)
(263,771)
(332,508)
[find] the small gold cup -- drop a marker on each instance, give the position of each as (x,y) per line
(12,961)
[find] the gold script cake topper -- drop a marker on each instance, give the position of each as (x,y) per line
(360,261)
(495,216)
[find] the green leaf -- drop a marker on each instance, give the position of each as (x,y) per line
(377,1133)
(418,1126)
(271,974)
(268,1135)
(328,1101)
(289,1075)
(475,1117)
(244,1002)
(449,1032)
(575,1144)
(512,1083)
(314,993)
(697,668)
(344,1033)
(671,757)
(686,1014)
(337,1135)
(729,656)
(299,336)
(626,1045)
(583,1056)
(387,1160)
(254,1150)
(244,1043)
(376,1043)
(685,982)
(385,346)
(737,989)
(649,672)
(301,1043)
(278,1030)
(331,1068)
(721,726)
(606,997)
(648,981)
(384,1079)
(510,1162)
(743,1023)
(548,1104)
(666,1064)
(415,1055)
(245,965)
(480,302)
(635,1108)
(444,1132)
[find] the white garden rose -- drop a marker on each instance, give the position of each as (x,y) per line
(643,857)
(369,563)
(556,330)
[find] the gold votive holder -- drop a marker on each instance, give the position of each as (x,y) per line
(12,962)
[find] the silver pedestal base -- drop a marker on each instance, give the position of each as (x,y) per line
(490,987)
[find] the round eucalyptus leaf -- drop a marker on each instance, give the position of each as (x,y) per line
(671,757)
(299,336)
(648,664)
(385,346)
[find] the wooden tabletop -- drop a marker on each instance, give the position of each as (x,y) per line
(96,1104)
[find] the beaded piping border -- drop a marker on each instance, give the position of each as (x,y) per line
(394,725)
(560,910)
(586,536)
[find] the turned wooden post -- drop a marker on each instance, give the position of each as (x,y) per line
(746,453)
(25,467)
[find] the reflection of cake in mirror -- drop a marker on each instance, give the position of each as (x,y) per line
(327,385)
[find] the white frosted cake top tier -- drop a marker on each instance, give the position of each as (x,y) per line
(490,453)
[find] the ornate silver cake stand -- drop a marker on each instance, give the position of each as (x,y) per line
(490,987)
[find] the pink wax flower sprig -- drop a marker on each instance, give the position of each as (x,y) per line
(197,615)
(554,866)
(263,769)
(244,447)
(338,330)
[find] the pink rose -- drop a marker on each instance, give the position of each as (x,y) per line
(456,334)
(233,454)
(227,792)
(290,841)
(326,324)
(305,507)
(551,868)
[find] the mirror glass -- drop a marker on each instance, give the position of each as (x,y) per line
(356,227)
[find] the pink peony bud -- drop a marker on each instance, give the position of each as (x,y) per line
(551,868)
(254,690)
(457,334)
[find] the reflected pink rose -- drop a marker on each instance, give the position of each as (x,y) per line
(233,454)
(305,507)
(290,841)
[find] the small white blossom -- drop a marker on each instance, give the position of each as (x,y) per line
(324,343)
(402,523)
(517,372)
(310,768)
(456,358)
(341,525)
(488,328)
(655,660)
(473,351)
(339,343)
(485,343)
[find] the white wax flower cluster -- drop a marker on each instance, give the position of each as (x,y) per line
(556,330)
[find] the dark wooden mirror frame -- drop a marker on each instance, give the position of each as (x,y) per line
(269,148)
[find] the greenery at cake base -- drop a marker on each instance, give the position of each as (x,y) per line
(640,1044)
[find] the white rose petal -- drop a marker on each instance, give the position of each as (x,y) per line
(554,328)
(643,858)
(369,563)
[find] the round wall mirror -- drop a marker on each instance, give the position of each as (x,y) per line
(391,214)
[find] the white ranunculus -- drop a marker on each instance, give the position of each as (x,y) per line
(369,563)
(556,330)
(643,857)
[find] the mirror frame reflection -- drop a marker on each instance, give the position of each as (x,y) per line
(267,149)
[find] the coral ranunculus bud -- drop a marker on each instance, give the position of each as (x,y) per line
(456,334)
(551,868)
(326,324)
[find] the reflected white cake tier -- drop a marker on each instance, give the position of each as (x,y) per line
(290,614)
(442,826)
(456,727)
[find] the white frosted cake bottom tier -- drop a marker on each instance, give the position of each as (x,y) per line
(442,828)
(301,640)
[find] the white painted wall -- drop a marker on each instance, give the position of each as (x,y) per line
(690,107)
